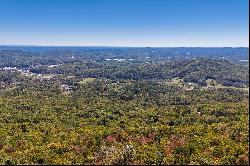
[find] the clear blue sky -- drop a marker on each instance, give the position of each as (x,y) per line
(124,22)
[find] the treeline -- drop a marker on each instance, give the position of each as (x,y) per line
(28,56)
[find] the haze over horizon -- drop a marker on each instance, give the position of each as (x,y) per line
(141,23)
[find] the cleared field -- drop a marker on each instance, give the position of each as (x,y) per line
(86,80)
(213,84)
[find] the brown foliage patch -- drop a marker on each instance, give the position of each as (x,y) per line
(173,143)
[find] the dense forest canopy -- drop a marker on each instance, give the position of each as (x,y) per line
(104,105)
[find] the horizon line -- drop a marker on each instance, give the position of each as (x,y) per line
(27,45)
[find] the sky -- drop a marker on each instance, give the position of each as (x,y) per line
(159,23)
